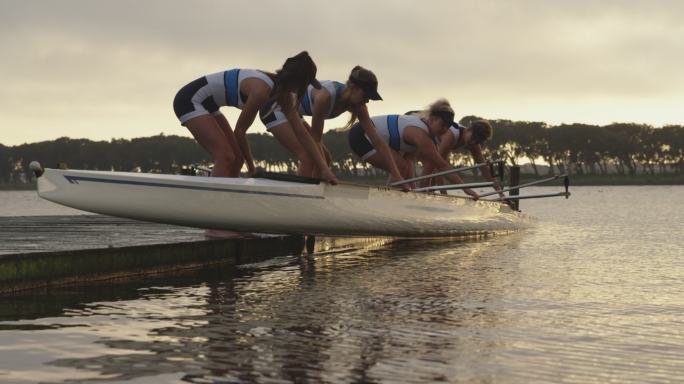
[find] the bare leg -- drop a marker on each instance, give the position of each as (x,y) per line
(378,161)
(285,135)
(236,166)
(206,130)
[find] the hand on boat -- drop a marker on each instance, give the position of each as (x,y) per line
(497,188)
(255,171)
(329,177)
(472,193)
(404,187)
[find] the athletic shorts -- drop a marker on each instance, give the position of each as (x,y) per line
(271,115)
(359,143)
(195,99)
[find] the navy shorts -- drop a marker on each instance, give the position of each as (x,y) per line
(194,99)
(359,143)
(272,115)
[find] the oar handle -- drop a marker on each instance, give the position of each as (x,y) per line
(524,185)
(453,186)
(522,197)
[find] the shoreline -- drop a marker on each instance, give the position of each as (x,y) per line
(575,180)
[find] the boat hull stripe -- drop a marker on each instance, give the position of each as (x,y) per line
(75,179)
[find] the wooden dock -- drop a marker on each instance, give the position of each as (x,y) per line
(46,251)
(66,233)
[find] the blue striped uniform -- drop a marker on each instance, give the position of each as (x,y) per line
(390,128)
(335,89)
(272,115)
(207,94)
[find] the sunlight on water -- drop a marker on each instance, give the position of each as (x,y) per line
(592,294)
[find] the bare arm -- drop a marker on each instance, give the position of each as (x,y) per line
(324,152)
(411,161)
(307,141)
(476,152)
(427,153)
(321,106)
(445,145)
(379,144)
(255,101)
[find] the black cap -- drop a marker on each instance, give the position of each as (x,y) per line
(366,80)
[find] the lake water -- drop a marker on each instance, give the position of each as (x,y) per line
(593,294)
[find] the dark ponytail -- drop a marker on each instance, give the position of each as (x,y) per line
(295,76)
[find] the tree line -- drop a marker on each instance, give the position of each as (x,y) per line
(620,148)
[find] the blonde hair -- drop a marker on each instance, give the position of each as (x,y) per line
(438,108)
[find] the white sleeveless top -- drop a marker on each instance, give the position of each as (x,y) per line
(391,129)
(225,86)
(335,88)
(456,131)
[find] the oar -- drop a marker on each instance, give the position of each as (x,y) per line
(453,186)
(524,185)
(438,174)
(522,197)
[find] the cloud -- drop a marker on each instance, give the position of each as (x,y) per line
(97,69)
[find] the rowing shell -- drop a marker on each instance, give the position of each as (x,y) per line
(275,206)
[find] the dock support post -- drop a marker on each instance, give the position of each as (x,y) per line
(514,180)
(310,244)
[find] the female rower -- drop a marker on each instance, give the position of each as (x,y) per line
(197,107)
(472,138)
(409,136)
(328,102)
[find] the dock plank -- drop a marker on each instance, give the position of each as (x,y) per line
(24,234)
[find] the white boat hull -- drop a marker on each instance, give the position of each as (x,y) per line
(270,206)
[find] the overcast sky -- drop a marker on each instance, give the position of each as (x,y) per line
(110,69)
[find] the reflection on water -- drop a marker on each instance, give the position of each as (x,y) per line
(588,296)
(28,203)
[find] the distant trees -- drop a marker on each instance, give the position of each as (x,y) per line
(5,164)
(620,148)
